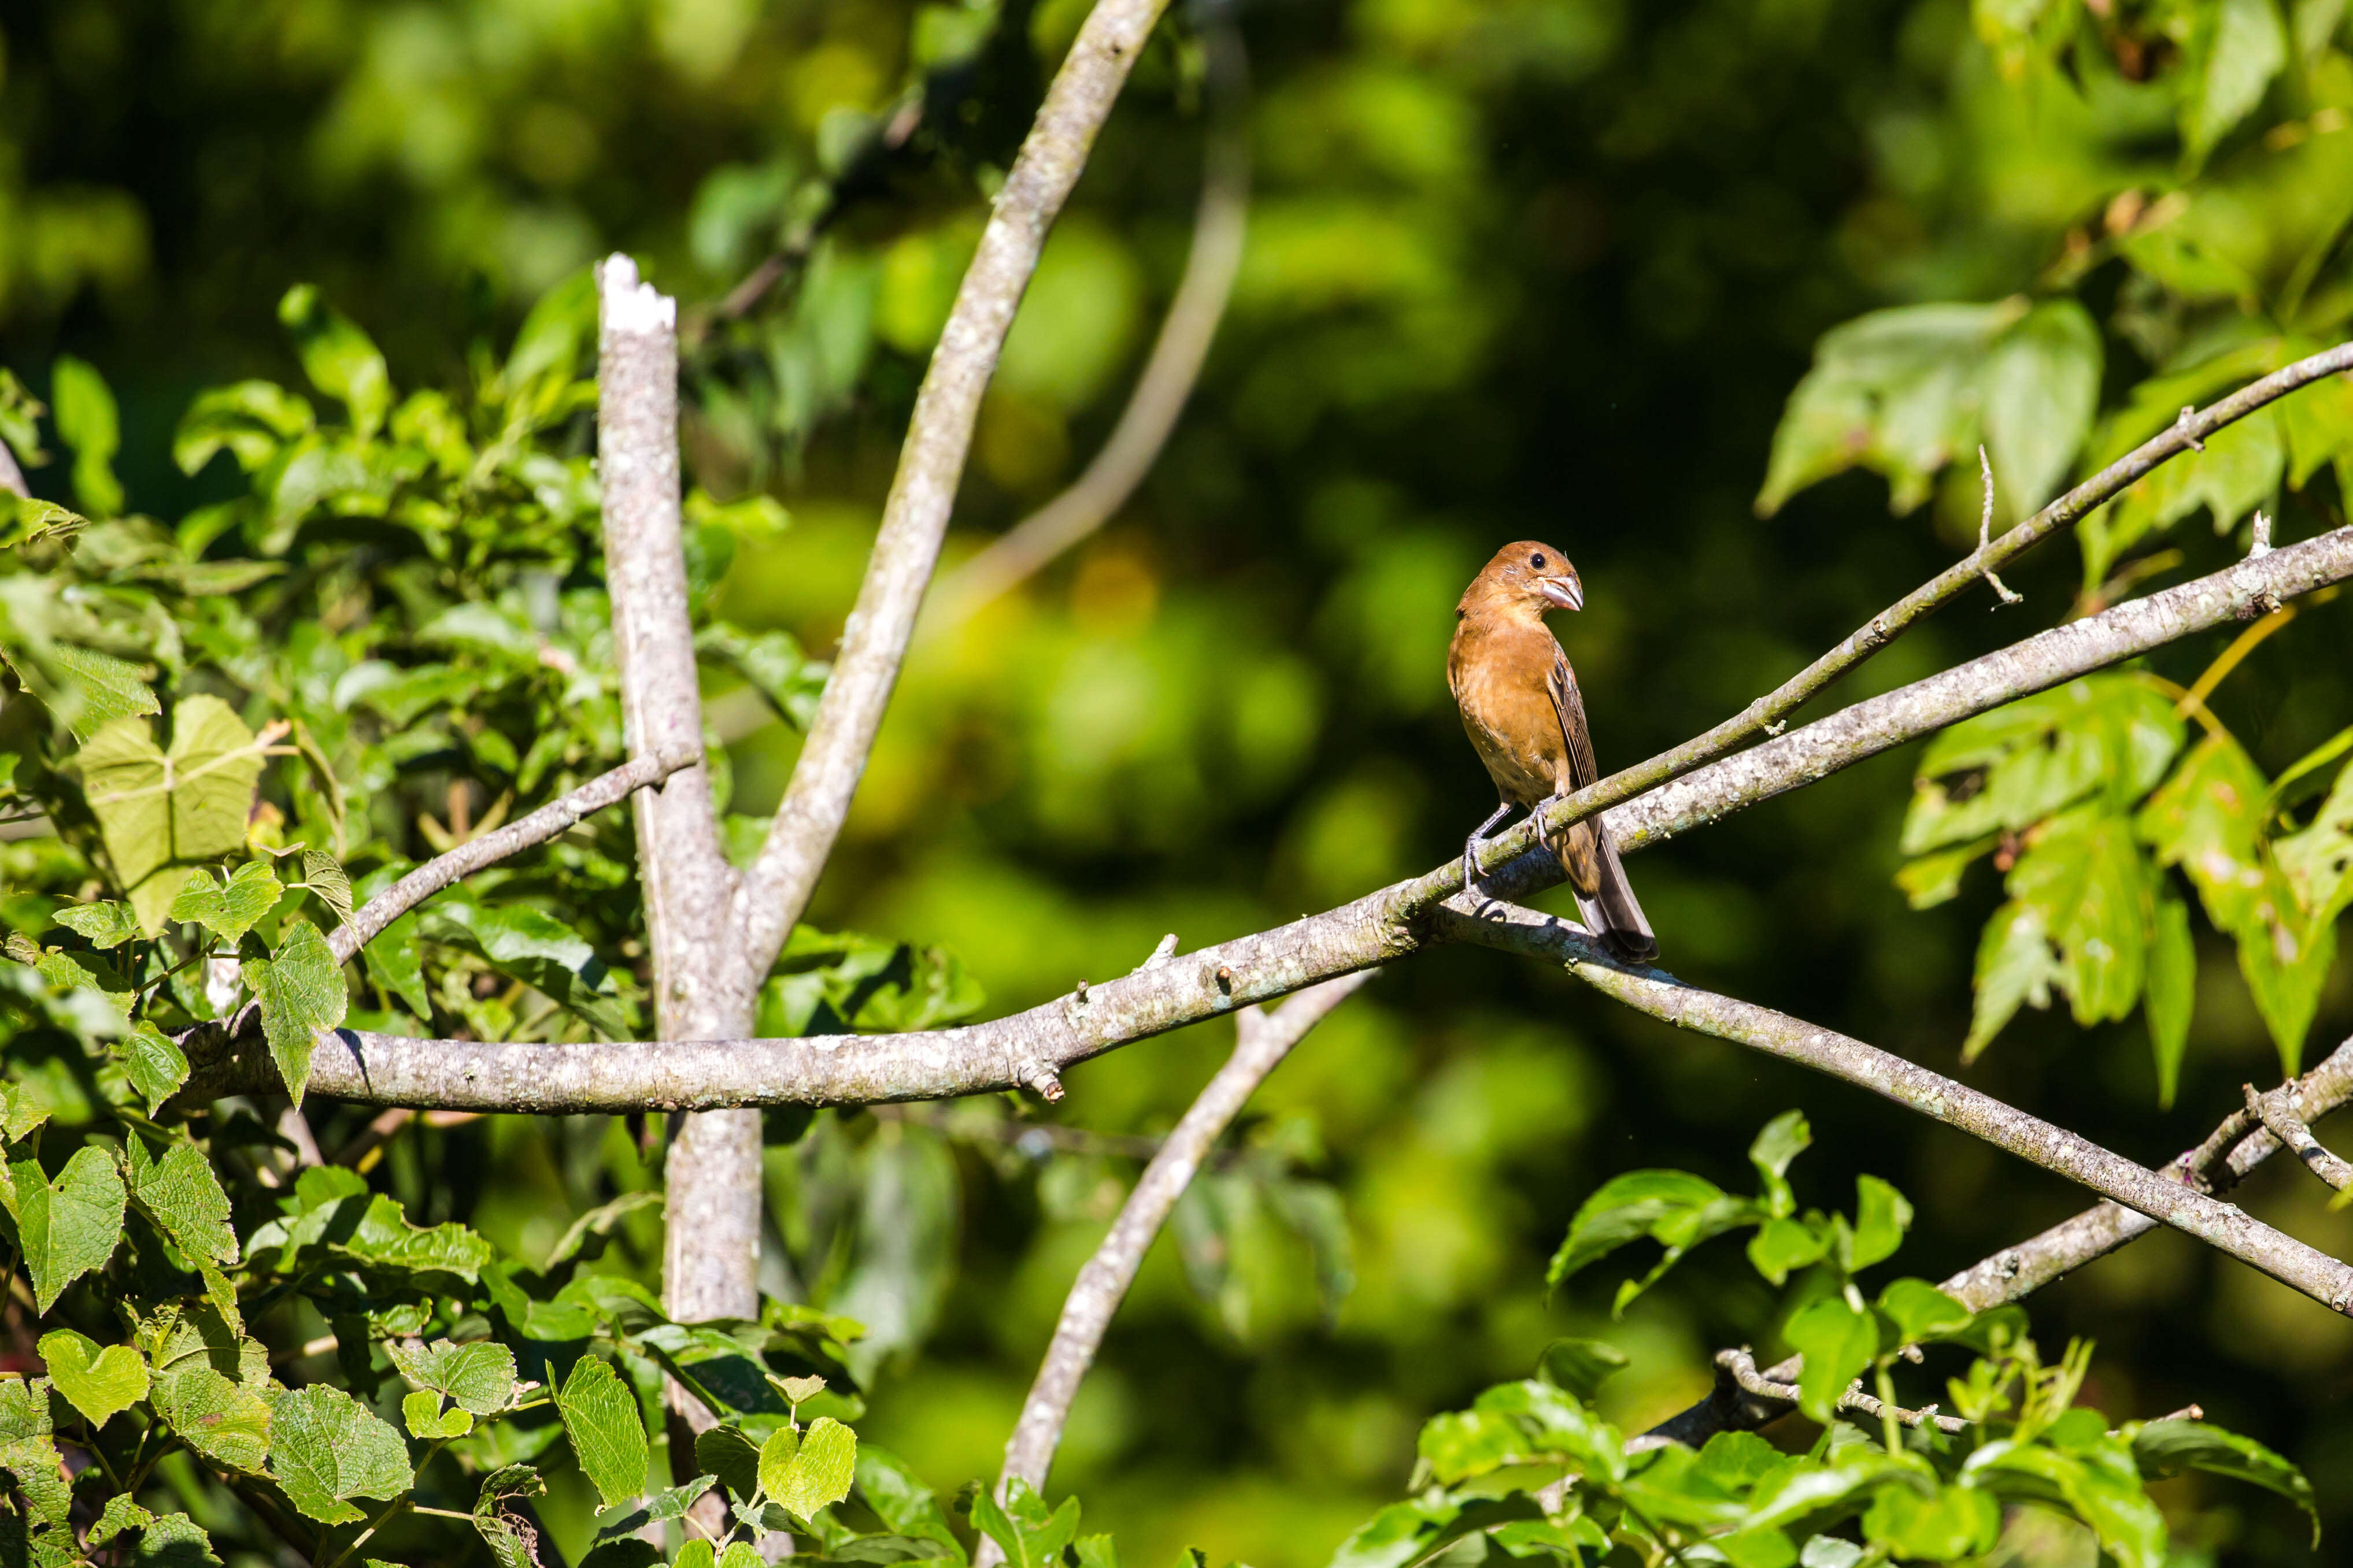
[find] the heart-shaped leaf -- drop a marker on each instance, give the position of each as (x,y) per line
(100,1384)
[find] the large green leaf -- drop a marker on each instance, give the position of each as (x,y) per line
(818,1472)
(228,909)
(600,1414)
(2160,1447)
(2015,966)
(154,1063)
(2085,877)
(1838,1342)
(479,1375)
(326,1448)
(1628,1207)
(227,1422)
(68,1226)
(898,1496)
(185,1197)
(302,992)
(338,357)
(161,812)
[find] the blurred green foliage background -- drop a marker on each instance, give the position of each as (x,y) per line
(1515,268)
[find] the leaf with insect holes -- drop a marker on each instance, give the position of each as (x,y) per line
(479,1375)
(302,992)
(326,1448)
(100,1384)
(228,909)
(325,876)
(507,1537)
(68,1226)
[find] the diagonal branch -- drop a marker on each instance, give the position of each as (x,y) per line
(2017,1272)
(556,817)
(1765,715)
(1178,356)
(2282,1114)
(1263,1041)
(931,465)
(2219,1225)
(1378,928)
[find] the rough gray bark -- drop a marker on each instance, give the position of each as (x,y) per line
(1261,1041)
(1178,356)
(1027,1048)
(2219,1225)
(711,1208)
(2017,1272)
(931,465)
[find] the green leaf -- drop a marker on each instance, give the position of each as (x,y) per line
(2317,860)
(302,992)
(1881,1216)
(1579,1367)
(820,1472)
(68,1226)
(2085,877)
(100,1384)
(1942,1525)
(326,1448)
(600,1416)
(2285,963)
(1625,1209)
(2107,735)
(338,357)
(106,923)
(727,1453)
(224,1421)
(21,1115)
(2208,820)
(479,1375)
(776,1458)
(1782,1246)
(154,1063)
(1920,1312)
(87,422)
(421,1413)
(2015,966)
(1838,1342)
(2235,50)
(898,1498)
(508,1536)
(537,949)
(324,875)
(228,909)
(395,964)
(2171,990)
(1031,1535)
(251,419)
(161,812)
(1783,1140)
(185,1197)
(2162,1447)
(2040,387)
(2099,1483)
(176,1540)
(587,1236)
(120,1514)
(773,663)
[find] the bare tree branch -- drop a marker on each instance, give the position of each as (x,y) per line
(2282,1117)
(1740,1367)
(2017,1272)
(557,816)
(1766,714)
(931,465)
(1378,928)
(2219,1225)
(1263,1041)
(1168,375)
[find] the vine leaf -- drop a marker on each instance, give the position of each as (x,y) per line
(67,1227)
(302,992)
(326,1448)
(100,1384)
(601,1417)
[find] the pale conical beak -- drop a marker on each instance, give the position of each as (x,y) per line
(1562,591)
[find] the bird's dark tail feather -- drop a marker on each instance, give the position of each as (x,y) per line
(1613,914)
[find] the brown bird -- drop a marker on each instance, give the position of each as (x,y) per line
(1521,707)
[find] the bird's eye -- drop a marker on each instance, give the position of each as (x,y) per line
(1537,561)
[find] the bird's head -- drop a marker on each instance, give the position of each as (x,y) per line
(1529,578)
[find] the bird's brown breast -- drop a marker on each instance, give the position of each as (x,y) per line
(1498,672)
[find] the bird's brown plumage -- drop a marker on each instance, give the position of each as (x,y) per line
(1524,714)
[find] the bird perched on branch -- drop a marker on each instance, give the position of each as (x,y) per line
(1520,704)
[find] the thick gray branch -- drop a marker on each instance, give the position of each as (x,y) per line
(1766,714)
(931,465)
(1168,375)
(1262,1040)
(557,816)
(2017,1272)
(2220,1225)
(1378,928)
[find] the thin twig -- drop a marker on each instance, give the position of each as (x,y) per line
(1263,1040)
(557,816)
(2284,1118)
(687,1074)
(1985,532)
(931,465)
(2219,1225)
(1168,375)
(1741,1368)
